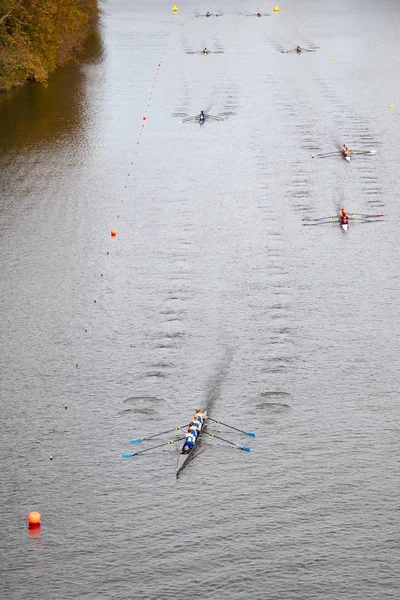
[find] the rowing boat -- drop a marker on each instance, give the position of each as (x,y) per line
(185,458)
(346,156)
(343,220)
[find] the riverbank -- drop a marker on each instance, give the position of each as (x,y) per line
(36,39)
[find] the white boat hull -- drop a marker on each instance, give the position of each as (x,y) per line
(344,226)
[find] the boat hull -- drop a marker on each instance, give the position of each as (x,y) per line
(344,226)
(184,459)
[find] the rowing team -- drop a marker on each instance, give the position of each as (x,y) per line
(344,217)
(193,431)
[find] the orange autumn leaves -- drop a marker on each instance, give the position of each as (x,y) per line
(37,36)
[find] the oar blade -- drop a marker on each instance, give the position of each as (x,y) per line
(251,434)
(128,455)
(136,440)
(245,448)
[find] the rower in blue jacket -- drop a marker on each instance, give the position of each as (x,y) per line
(190,441)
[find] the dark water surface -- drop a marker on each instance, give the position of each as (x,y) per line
(212,294)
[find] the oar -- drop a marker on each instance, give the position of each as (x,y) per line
(130,454)
(249,433)
(321,219)
(137,440)
(366,215)
(188,119)
(321,223)
(324,154)
(363,151)
(245,448)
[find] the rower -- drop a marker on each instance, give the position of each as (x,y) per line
(345,150)
(206,51)
(202,116)
(298,49)
(197,419)
(344,217)
(193,430)
(208,14)
(258,14)
(199,416)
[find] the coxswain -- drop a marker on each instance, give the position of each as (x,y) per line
(298,49)
(190,441)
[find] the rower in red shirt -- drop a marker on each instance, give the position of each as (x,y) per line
(344,217)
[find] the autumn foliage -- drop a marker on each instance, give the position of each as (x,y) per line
(36,36)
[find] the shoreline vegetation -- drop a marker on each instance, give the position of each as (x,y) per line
(37,36)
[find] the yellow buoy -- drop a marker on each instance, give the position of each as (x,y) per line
(175,8)
(276,8)
(392,107)
(333,57)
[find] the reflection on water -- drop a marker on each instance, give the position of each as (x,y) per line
(34,113)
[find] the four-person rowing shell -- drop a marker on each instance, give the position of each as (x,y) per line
(193,431)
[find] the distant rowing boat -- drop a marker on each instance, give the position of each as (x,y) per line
(344,219)
(185,458)
(348,157)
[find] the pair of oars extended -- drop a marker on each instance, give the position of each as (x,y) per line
(179,428)
(335,218)
(339,152)
(206,118)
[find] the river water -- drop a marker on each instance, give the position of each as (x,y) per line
(212,294)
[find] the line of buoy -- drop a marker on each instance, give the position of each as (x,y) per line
(34,517)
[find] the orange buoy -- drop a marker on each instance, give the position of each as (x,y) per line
(34,519)
(113,233)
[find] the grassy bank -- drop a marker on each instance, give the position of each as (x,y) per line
(37,36)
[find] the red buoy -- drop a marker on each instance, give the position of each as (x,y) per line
(34,519)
